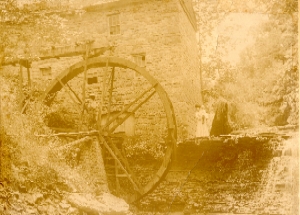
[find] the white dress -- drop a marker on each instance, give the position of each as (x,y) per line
(202,130)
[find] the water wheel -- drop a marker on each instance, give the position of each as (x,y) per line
(129,113)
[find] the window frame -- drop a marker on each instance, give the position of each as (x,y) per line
(114,26)
(141,62)
(92,80)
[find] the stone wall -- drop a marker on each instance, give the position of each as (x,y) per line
(164,34)
(191,92)
(248,176)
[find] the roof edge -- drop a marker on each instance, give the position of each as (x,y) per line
(190,13)
(185,4)
(110,5)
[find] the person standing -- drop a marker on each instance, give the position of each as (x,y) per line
(220,124)
(201,117)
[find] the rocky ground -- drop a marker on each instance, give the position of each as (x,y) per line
(17,202)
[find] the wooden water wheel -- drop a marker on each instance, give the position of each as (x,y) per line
(129,113)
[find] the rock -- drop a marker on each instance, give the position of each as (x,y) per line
(115,204)
(32,211)
(17,207)
(64,205)
(86,203)
(73,211)
(22,188)
(34,198)
(42,208)
(56,201)
(104,204)
(277,153)
(37,197)
(51,210)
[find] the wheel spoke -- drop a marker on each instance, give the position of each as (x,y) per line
(70,95)
(102,96)
(69,134)
(128,106)
(129,114)
(61,129)
(75,94)
(84,78)
(125,162)
(135,183)
(77,97)
(110,94)
(73,143)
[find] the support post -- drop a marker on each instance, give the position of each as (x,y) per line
(29,79)
(85,76)
(117,177)
(21,95)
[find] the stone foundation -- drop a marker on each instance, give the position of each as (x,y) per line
(245,177)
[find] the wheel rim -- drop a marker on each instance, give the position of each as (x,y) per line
(61,82)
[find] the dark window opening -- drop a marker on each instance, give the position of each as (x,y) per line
(46,71)
(92,80)
(114,24)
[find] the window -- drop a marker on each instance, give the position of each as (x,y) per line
(128,126)
(46,71)
(114,24)
(140,60)
(92,80)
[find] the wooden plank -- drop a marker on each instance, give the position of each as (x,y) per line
(121,176)
(73,143)
(58,51)
(63,129)
(124,160)
(69,134)
(136,186)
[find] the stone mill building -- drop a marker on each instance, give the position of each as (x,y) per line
(159,35)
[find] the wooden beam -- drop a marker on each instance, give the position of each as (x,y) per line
(57,52)
(125,162)
(70,134)
(136,187)
(21,94)
(73,143)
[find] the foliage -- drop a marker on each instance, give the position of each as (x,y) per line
(28,29)
(271,67)
(263,87)
(24,161)
(60,118)
(144,148)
